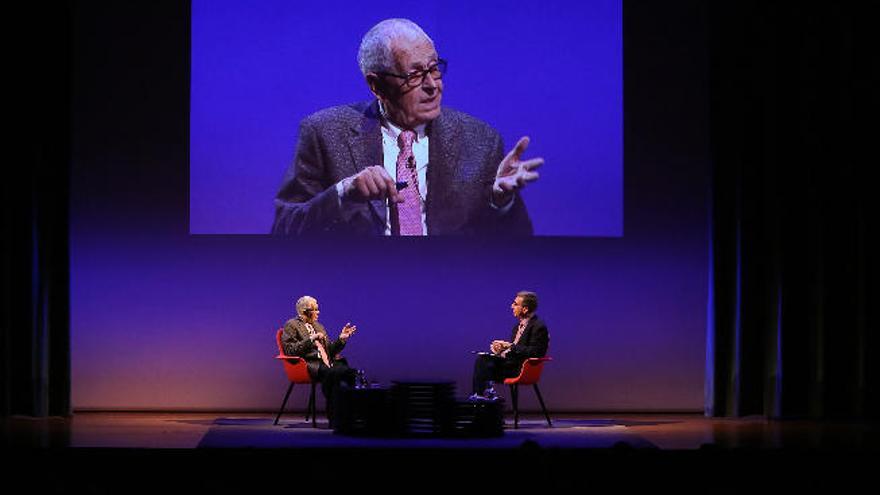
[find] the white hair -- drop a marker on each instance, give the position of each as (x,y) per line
(303,303)
(375,54)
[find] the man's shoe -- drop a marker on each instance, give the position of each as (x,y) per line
(476,398)
(491,395)
(486,397)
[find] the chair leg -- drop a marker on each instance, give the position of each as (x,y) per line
(541,400)
(309,406)
(286,396)
(514,395)
(314,407)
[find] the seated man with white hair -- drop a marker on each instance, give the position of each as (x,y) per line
(303,336)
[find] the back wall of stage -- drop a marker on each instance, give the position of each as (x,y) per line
(161,319)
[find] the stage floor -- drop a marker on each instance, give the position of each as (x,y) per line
(97,452)
(186,430)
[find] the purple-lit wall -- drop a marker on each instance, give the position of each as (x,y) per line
(190,322)
(552,71)
(164,320)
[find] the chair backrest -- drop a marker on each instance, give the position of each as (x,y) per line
(530,372)
(278,341)
(295,367)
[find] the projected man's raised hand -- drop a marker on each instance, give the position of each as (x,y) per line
(514,173)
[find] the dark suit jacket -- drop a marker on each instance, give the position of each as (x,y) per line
(533,343)
(339,142)
(295,341)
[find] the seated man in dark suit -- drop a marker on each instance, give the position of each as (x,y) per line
(303,336)
(402,164)
(529,339)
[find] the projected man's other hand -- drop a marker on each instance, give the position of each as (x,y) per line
(369,184)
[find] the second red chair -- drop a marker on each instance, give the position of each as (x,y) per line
(528,375)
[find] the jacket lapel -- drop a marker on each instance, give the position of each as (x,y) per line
(319,328)
(301,329)
(443,135)
(526,332)
(365,145)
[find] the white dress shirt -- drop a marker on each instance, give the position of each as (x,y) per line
(390,151)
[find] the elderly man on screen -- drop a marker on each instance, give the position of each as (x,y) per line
(402,164)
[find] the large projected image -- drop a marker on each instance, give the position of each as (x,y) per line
(484,118)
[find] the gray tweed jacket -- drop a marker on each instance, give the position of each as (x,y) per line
(341,141)
(295,342)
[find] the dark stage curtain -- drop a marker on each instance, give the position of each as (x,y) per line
(792,308)
(35,339)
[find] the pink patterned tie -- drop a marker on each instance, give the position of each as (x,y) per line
(407,216)
(320,345)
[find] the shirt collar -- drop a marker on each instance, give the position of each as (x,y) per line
(393,130)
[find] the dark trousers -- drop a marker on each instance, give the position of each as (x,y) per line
(489,367)
(332,378)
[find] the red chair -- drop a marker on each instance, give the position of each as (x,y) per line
(528,375)
(297,372)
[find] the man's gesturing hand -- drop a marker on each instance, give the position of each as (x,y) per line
(347,330)
(514,173)
(371,183)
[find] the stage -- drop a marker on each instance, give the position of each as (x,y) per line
(723,271)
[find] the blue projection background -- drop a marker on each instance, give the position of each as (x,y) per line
(549,70)
(164,320)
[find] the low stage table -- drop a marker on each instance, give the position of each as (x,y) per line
(425,408)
